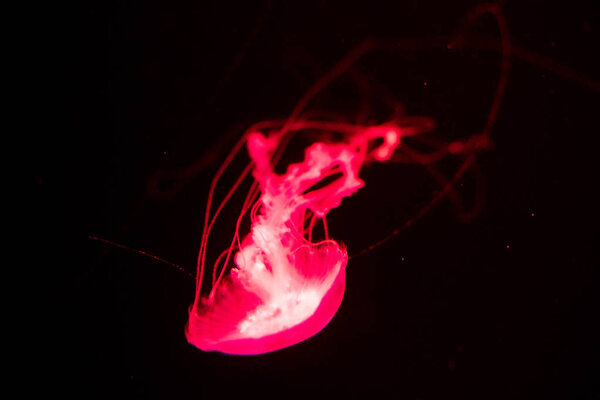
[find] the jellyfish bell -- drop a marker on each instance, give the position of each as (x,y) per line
(255,311)
(285,287)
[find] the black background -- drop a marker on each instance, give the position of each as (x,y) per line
(501,307)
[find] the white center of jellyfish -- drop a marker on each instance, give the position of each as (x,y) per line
(281,312)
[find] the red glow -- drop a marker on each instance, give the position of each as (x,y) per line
(285,287)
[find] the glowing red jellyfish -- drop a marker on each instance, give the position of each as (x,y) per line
(285,287)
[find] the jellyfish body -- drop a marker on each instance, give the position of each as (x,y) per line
(284,287)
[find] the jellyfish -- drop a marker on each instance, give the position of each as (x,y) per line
(285,285)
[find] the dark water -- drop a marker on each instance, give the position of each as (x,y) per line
(503,306)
